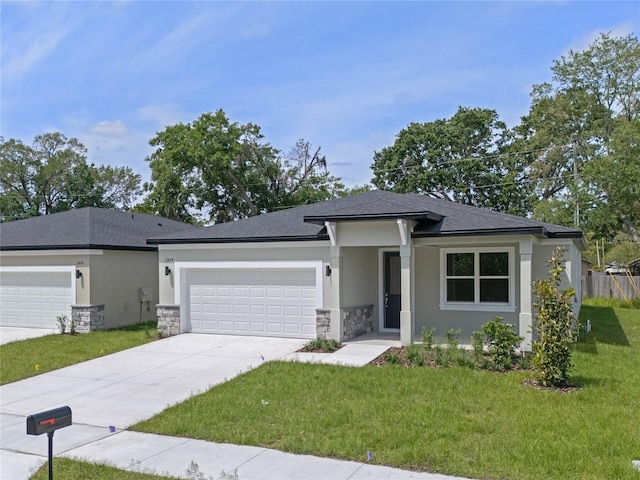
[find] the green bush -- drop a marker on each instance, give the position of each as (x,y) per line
(321,345)
(415,356)
(391,358)
(552,325)
(427,338)
(502,342)
(477,343)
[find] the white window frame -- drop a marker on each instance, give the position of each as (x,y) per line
(477,305)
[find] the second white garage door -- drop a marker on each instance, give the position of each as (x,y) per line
(34,299)
(277,302)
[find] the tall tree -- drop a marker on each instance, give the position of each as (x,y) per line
(571,134)
(616,177)
(53,176)
(459,159)
(215,170)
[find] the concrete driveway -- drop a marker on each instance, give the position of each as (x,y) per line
(121,389)
(13,334)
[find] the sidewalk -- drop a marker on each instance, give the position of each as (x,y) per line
(172,456)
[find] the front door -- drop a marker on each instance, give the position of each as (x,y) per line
(392,290)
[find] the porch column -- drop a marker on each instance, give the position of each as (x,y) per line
(525,320)
(407,321)
(334,299)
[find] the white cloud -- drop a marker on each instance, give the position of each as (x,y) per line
(583,42)
(108,129)
(160,116)
(112,142)
(32,32)
(24,58)
(199,27)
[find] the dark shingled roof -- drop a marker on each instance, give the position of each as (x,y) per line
(435,218)
(87,228)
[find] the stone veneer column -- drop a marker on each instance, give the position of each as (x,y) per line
(87,318)
(168,320)
(357,321)
(323,323)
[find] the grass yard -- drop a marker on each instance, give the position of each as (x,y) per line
(454,421)
(27,358)
(74,470)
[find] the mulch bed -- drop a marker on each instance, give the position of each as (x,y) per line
(568,388)
(401,354)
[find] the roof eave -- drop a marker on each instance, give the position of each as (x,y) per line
(183,241)
(541,232)
(321,219)
(76,247)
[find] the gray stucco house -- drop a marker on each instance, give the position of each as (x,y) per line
(90,264)
(373,262)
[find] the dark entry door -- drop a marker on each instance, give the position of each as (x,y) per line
(392,290)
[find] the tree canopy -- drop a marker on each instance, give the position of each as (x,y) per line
(572,160)
(216,170)
(458,159)
(53,175)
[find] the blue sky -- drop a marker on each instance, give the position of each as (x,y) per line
(346,76)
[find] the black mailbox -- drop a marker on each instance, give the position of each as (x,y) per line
(49,421)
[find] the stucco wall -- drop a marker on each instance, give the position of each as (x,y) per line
(378,234)
(121,275)
(427,300)
(360,279)
(79,259)
(571,277)
(224,253)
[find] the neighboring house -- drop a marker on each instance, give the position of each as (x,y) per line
(90,264)
(634,267)
(586,268)
(377,261)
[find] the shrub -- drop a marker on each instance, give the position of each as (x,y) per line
(427,338)
(321,345)
(552,325)
(502,342)
(414,355)
(441,356)
(72,327)
(453,339)
(62,323)
(477,343)
(391,358)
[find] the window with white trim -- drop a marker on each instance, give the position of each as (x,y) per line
(477,279)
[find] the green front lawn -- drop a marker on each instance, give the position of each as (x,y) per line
(455,421)
(27,358)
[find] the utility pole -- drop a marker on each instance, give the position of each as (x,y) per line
(576,179)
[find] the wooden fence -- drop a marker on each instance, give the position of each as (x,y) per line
(616,286)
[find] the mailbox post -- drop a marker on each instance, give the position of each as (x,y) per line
(48,422)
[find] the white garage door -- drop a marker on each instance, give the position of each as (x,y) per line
(34,299)
(266,302)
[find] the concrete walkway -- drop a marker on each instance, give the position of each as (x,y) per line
(110,393)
